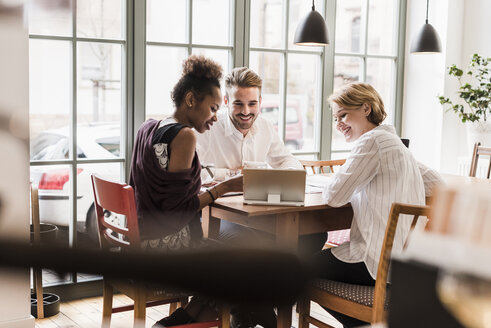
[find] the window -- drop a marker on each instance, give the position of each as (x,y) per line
(77,56)
(292,75)
(367,50)
(175,30)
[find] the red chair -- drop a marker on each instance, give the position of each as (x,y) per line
(119,198)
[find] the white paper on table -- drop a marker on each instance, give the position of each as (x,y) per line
(315,183)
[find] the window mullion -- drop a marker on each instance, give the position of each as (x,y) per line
(139,71)
(190,27)
(246,33)
(284,74)
(401,48)
(72,228)
(128,96)
(325,135)
(241,34)
(364,13)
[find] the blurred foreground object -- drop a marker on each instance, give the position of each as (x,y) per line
(230,275)
(444,279)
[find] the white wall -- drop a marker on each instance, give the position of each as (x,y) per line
(422,113)
(14,166)
(438,138)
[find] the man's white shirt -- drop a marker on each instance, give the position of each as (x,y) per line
(225,147)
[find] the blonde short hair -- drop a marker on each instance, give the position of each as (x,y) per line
(354,95)
(242,77)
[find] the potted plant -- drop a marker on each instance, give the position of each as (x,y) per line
(475,91)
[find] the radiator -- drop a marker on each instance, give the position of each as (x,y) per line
(464,166)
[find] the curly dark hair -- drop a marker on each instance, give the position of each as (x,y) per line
(199,75)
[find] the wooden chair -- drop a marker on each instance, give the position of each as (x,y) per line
(364,303)
(480,151)
(119,198)
(37,272)
(321,164)
(337,237)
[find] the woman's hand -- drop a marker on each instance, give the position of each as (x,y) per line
(234,184)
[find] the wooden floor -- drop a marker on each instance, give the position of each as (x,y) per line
(86,313)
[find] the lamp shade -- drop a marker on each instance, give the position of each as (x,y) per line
(427,41)
(312,30)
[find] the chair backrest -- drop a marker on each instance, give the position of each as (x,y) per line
(321,164)
(116,198)
(480,151)
(383,267)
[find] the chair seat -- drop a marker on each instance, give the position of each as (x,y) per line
(338,237)
(356,293)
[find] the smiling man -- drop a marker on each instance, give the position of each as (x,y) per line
(241,134)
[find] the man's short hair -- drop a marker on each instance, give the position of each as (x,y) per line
(242,77)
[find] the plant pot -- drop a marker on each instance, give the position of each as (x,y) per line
(48,233)
(51,304)
(478,132)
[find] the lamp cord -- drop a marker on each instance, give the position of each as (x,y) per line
(313,5)
(427,1)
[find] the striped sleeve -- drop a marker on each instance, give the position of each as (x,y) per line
(431,178)
(359,169)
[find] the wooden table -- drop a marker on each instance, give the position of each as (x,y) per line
(285,222)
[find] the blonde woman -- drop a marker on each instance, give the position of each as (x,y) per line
(379,170)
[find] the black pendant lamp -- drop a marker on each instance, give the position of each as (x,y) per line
(427,40)
(312,30)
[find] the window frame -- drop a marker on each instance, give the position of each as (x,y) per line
(398,58)
(73,162)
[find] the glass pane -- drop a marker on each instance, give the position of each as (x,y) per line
(51,277)
(163,69)
(266,23)
(48,17)
(346,70)
(99,141)
(98,90)
(54,188)
(381,75)
(342,155)
(307,157)
(298,10)
(86,220)
(49,98)
(100,19)
(349,31)
(220,56)
(211,22)
(303,95)
(166,21)
(268,66)
(382,28)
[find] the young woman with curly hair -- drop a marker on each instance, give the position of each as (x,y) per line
(165,173)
